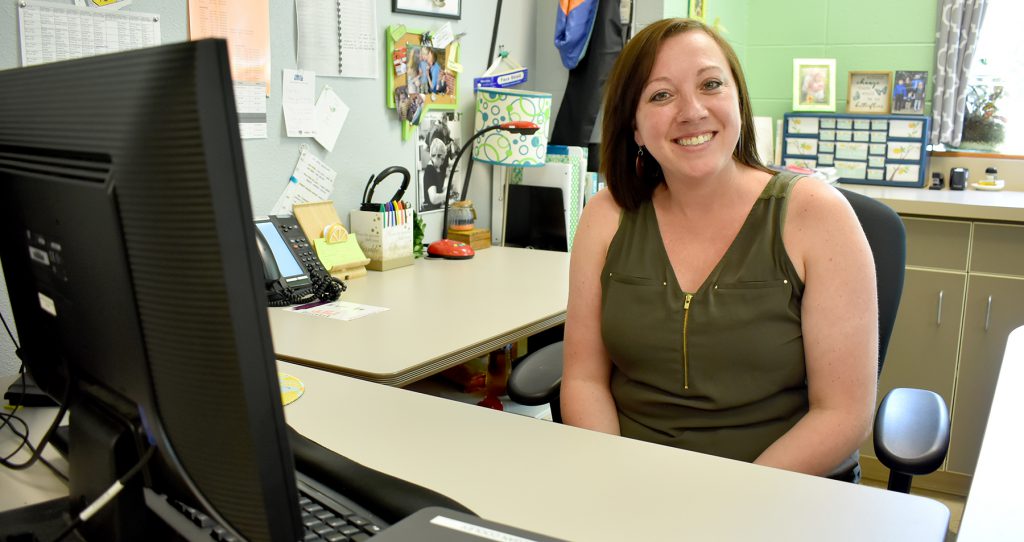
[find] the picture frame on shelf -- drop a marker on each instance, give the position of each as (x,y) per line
(869,92)
(698,9)
(448,9)
(814,84)
(908,92)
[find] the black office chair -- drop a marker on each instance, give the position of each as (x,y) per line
(911,432)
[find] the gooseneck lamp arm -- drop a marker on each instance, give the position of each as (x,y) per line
(515,127)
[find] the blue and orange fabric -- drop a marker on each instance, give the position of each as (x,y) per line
(573,24)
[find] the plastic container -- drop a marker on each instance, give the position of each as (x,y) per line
(461,216)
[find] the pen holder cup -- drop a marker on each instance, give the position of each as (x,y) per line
(385,237)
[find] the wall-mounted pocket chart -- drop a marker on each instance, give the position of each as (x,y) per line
(888,150)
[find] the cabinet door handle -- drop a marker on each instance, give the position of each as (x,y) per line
(988,313)
(938,314)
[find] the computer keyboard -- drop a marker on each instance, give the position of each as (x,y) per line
(326,516)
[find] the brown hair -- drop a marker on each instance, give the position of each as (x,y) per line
(622,95)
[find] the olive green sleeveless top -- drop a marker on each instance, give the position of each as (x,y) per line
(719,370)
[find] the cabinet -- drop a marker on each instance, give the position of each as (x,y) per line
(963,294)
(994,307)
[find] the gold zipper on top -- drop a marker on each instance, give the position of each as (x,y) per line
(686,361)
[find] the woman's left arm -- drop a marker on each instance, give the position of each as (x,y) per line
(839,314)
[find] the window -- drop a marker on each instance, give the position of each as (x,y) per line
(994,121)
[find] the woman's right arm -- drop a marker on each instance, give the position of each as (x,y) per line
(586,394)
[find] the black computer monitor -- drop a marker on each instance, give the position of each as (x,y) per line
(535,218)
(126,236)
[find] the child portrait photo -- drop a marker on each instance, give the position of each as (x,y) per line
(814,84)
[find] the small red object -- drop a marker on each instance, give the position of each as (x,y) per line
(491,401)
(520,127)
(450,250)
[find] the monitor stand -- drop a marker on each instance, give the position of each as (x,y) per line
(25,392)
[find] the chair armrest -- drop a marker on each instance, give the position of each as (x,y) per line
(537,377)
(912,431)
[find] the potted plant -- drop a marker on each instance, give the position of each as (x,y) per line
(984,128)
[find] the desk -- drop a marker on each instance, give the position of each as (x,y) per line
(994,506)
(564,481)
(36,483)
(441,313)
(581,485)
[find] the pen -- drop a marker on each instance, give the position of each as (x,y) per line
(309,305)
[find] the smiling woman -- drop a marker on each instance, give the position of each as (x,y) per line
(695,318)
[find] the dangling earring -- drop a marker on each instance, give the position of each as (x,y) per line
(640,162)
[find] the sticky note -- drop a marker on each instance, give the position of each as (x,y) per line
(338,254)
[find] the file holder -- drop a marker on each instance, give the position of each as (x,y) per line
(339,252)
(385,237)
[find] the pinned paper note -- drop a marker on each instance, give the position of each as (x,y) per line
(297,102)
(331,113)
(452,65)
(396,31)
(251,104)
(312,180)
(443,36)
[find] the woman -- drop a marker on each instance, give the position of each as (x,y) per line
(714,306)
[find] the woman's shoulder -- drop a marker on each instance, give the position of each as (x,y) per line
(600,219)
(819,222)
(815,198)
(818,212)
(603,205)
(596,229)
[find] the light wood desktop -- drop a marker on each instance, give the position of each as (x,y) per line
(560,480)
(581,485)
(440,313)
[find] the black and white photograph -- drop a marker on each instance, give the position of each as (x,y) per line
(439,142)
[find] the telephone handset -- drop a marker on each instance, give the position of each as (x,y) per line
(292,271)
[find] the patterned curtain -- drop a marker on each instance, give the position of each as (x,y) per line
(957,35)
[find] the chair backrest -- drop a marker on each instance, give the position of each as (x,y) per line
(888,240)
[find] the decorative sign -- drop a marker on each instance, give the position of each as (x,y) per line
(868,92)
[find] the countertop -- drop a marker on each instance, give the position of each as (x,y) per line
(1006,206)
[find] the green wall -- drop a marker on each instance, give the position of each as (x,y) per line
(730,17)
(859,34)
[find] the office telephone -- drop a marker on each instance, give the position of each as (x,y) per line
(292,271)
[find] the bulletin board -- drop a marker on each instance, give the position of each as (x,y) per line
(889,150)
(410,92)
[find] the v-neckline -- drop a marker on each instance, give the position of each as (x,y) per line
(728,250)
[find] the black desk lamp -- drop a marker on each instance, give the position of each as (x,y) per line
(453,250)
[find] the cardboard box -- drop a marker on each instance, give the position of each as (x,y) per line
(477,238)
